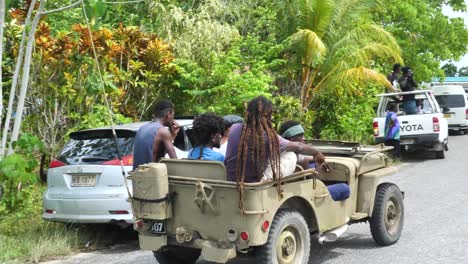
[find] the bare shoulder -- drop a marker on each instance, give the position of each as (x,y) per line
(163,133)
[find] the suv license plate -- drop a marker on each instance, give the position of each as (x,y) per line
(447,116)
(83,180)
(407,141)
(158,227)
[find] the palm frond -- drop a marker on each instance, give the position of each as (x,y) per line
(316,15)
(349,14)
(367,33)
(361,77)
(357,59)
(360,56)
(310,45)
(371,51)
(352,80)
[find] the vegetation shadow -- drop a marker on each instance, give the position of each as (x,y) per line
(105,237)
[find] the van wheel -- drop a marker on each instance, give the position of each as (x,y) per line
(288,240)
(174,254)
(388,216)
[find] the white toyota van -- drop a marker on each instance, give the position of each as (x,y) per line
(453,102)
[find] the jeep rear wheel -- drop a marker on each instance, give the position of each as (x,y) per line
(387,218)
(288,240)
(174,254)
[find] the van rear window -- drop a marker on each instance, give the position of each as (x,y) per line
(451,100)
(95,147)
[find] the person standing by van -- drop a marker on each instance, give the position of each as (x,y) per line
(155,138)
(407,84)
(392,130)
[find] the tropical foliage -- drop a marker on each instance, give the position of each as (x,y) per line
(336,45)
(425,35)
(321,62)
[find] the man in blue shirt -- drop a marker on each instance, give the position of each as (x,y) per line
(207,131)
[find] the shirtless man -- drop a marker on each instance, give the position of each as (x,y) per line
(155,139)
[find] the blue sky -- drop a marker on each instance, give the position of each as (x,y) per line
(450,13)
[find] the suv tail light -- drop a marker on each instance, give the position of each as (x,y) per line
(55,163)
(435,124)
(466,114)
(126,160)
(375,126)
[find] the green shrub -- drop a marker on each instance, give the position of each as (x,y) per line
(99,117)
(289,108)
(17,175)
(347,117)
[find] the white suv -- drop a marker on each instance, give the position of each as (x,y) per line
(85,182)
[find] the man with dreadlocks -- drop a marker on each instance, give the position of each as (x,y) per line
(207,130)
(255,146)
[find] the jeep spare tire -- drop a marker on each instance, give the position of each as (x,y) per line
(288,240)
(387,219)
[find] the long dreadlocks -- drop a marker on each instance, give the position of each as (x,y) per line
(259,140)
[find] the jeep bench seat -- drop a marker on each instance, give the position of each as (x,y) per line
(203,169)
(215,172)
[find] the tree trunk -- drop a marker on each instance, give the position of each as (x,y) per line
(19,62)
(25,76)
(2,25)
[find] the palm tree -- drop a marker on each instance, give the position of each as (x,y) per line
(337,45)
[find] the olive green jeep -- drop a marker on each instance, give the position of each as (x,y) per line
(185,209)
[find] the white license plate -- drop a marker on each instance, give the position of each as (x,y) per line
(158,227)
(447,116)
(407,141)
(83,180)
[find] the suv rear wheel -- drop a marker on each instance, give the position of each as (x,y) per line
(174,254)
(387,218)
(288,240)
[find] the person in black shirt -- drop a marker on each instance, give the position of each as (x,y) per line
(408,84)
(393,77)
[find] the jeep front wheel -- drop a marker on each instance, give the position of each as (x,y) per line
(180,255)
(288,240)
(387,218)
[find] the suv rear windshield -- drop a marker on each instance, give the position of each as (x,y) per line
(96,146)
(451,100)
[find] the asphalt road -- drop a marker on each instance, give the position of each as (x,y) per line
(435,229)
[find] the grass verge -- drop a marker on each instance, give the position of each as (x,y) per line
(30,240)
(38,241)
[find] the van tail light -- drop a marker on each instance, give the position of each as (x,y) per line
(126,160)
(435,124)
(466,114)
(55,163)
(375,126)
